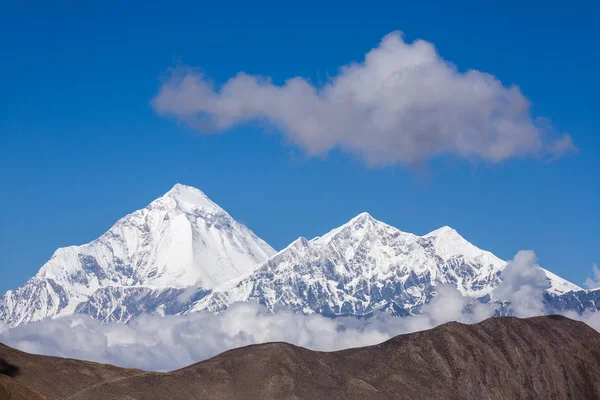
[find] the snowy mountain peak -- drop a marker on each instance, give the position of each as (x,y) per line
(299,243)
(187,199)
(180,240)
(358,228)
(443,231)
(449,243)
(365,220)
(363,216)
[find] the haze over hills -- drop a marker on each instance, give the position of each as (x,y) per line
(500,358)
(183,253)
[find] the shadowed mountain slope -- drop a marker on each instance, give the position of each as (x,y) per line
(500,358)
(53,377)
(12,389)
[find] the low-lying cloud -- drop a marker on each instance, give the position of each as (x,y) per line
(162,343)
(402,104)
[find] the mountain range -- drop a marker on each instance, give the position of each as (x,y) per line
(183,253)
(550,357)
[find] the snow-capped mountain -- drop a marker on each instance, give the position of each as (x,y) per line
(365,266)
(144,263)
(183,253)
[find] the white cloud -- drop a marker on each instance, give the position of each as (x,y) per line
(450,305)
(170,342)
(523,285)
(403,104)
(166,343)
(594,281)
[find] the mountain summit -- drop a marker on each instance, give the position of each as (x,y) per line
(180,240)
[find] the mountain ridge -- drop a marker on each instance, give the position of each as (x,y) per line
(366,265)
(183,253)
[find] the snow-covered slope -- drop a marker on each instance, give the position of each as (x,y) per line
(183,253)
(364,266)
(147,260)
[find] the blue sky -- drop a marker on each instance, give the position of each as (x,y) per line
(81,144)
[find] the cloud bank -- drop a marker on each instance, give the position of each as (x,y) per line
(160,343)
(403,104)
(165,343)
